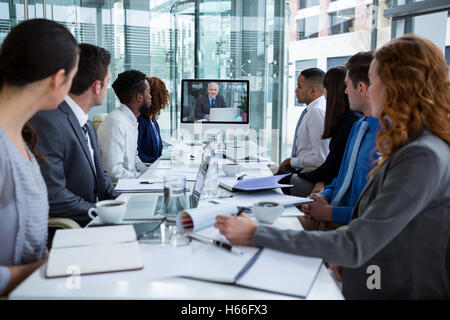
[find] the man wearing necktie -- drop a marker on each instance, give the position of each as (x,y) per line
(336,202)
(309,150)
(212,100)
(73,170)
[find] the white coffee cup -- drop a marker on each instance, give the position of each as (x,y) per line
(231,169)
(267,211)
(109,211)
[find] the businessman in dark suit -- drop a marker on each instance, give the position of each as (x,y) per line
(212,100)
(73,171)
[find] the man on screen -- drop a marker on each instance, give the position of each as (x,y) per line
(212,100)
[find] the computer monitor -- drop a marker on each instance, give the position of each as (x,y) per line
(214,105)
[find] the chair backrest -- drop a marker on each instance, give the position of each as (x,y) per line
(98,119)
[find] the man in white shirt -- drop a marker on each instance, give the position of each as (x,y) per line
(73,170)
(118,133)
(309,150)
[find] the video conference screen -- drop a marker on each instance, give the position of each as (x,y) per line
(215,101)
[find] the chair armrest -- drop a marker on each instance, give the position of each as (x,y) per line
(62,223)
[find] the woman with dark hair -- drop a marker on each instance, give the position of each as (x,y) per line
(339,120)
(38,60)
(401,224)
(149,139)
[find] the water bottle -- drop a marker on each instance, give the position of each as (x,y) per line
(212,177)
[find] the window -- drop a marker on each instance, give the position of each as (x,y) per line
(308,28)
(341,21)
(447,55)
(336,61)
(303,4)
(301,65)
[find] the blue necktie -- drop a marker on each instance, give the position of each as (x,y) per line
(213,103)
(295,135)
(351,164)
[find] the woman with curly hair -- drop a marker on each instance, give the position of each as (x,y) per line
(149,139)
(395,245)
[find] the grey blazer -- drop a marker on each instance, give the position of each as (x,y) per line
(400,224)
(202,107)
(72,183)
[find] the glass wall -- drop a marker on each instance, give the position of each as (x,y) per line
(325,33)
(175,40)
(268,42)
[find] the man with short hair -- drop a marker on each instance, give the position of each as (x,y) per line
(309,149)
(73,171)
(118,133)
(336,202)
(212,100)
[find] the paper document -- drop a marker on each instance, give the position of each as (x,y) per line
(249,199)
(203,217)
(253,184)
(139,185)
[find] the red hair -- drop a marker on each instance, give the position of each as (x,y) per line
(417,93)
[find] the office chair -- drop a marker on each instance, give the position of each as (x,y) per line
(98,119)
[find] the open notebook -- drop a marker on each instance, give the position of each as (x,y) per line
(257,268)
(94,250)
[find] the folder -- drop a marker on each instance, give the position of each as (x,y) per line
(253,184)
(258,268)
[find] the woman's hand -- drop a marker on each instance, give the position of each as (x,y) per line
(238,230)
(337,271)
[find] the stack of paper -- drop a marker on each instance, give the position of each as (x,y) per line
(250,198)
(263,183)
(139,185)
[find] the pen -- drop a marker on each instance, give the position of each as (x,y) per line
(241,210)
(145,182)
(217,243)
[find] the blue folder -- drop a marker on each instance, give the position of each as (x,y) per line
(262,183)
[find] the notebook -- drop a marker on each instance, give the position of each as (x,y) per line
(94,250)
(258,268)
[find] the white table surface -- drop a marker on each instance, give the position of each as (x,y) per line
(160,284)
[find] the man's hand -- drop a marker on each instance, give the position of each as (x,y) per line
(238,230)
(207,117)
(320,210)
(318,187)
(286,165)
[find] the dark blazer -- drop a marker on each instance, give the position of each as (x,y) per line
(330,168)
(72,183)
(401,225)
(148,148)
(202,107)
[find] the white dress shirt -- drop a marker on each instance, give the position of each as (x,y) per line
(117,138)
(310,149)
(82,118)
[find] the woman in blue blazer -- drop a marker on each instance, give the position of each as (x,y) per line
(149,139)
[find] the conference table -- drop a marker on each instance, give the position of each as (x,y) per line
(158,279)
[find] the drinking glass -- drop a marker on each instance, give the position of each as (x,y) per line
(174,196)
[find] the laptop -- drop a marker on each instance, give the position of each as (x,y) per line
(150,206)
(222,114)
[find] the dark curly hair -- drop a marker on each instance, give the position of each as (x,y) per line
(160,98)
(128,84)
